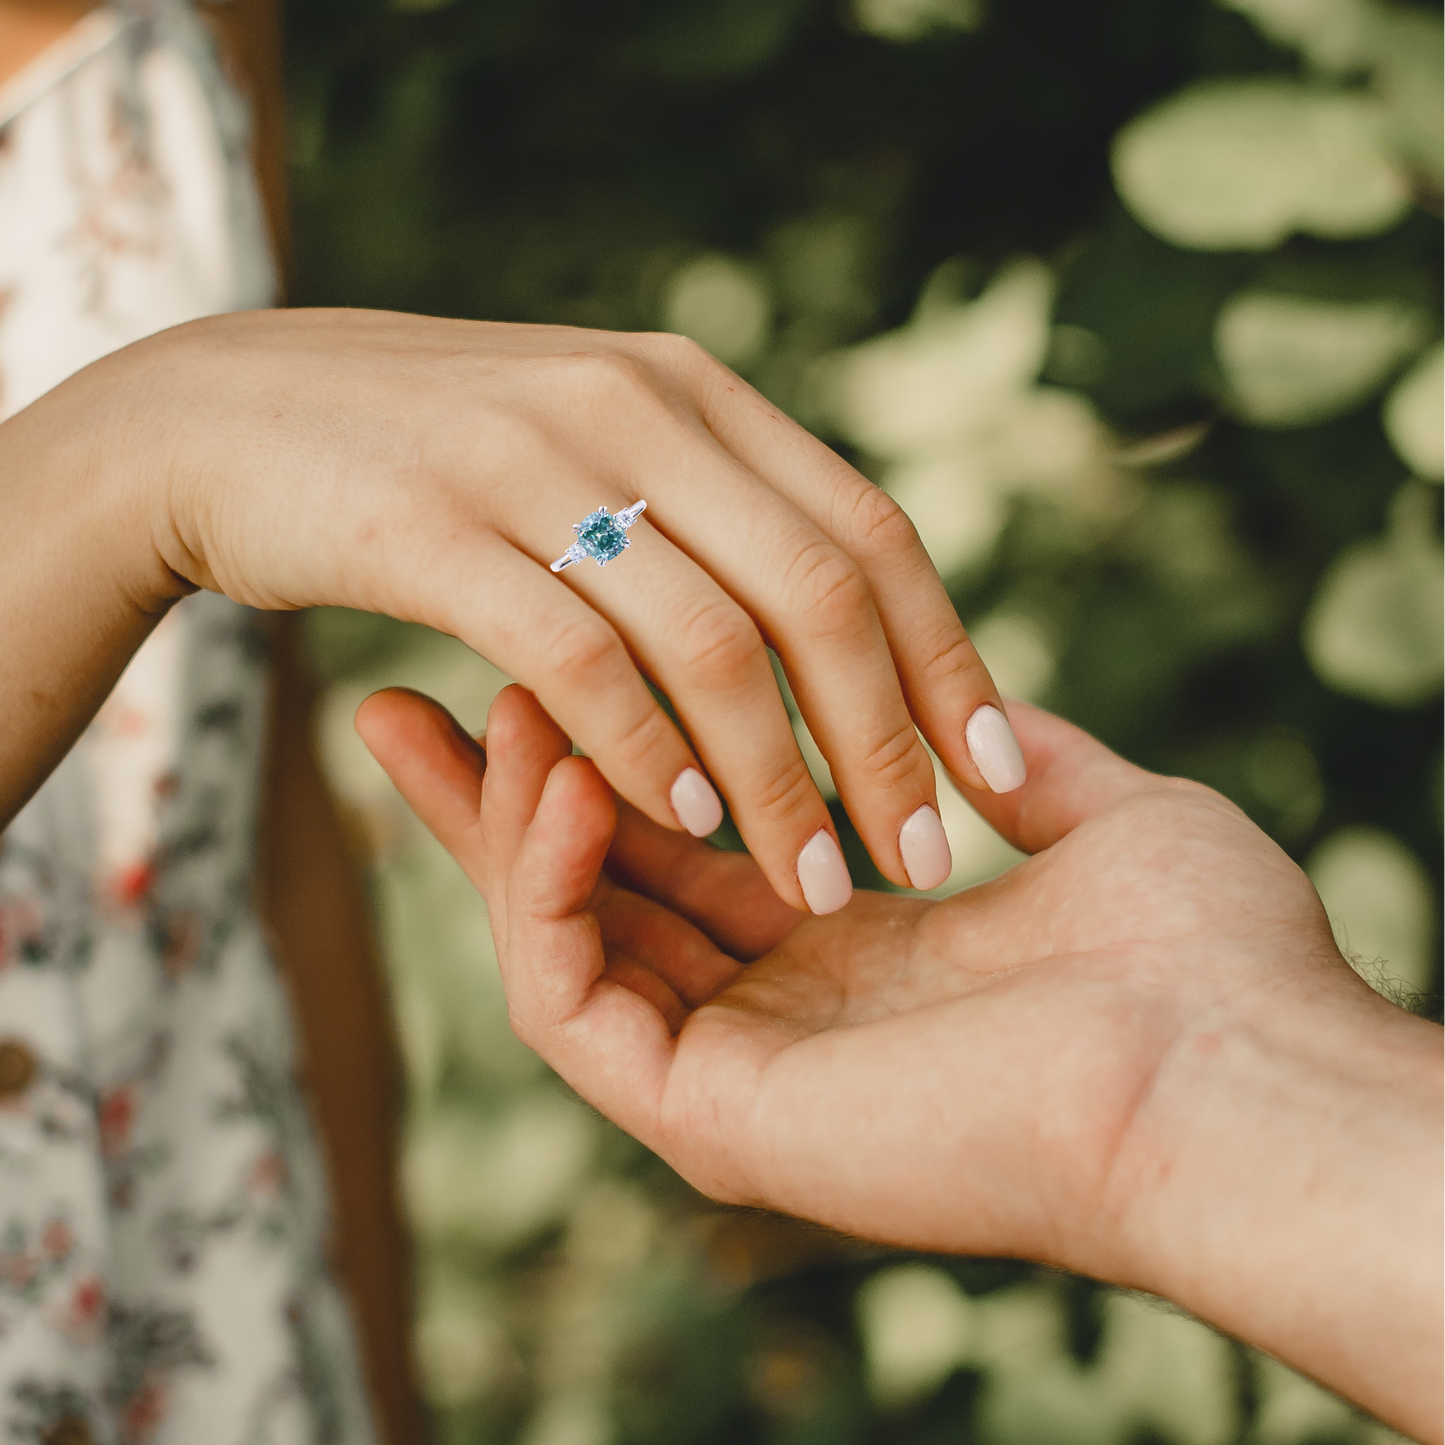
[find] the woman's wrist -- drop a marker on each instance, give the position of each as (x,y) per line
(1282,1182)
(91,462)
(81,581)
(105,447)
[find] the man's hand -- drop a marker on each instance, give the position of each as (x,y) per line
(1137,1054)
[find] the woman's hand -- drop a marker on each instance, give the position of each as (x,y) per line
(812,1065)
(433,469)
(1137,1054)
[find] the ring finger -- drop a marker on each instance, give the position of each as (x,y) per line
(705,652)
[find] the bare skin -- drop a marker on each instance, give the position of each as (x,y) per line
(29,27)
(1137,1054)
(431,469)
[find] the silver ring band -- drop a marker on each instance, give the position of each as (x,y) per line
(600,536)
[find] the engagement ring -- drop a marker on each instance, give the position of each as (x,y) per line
(600,536)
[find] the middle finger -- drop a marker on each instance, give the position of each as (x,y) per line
(814,606)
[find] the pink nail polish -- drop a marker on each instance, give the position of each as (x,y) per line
(823,874)
(995,750)
(924,845)
(697,805)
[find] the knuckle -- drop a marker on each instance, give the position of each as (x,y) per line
(584,650)
(896,757)
(950,658)
(641,741)
(679,353)
(601,375)
(786,793)
(877,527)
(830,589)
(719,645)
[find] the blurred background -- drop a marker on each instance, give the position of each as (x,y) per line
(1135,307)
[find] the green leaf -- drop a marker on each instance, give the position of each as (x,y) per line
(1294,361)
(1244,164)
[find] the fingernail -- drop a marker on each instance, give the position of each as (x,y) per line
(924,846)
(995,750)
(823,874)
(697,805)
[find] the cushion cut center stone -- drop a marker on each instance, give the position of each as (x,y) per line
(601,537)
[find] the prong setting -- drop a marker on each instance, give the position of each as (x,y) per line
(601,536)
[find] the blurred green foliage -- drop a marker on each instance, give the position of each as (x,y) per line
(1136,308)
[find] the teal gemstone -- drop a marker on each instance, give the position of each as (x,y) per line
(600,537)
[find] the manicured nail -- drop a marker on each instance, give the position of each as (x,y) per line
(925,850)
(995,750)
(698,807)
(823,874)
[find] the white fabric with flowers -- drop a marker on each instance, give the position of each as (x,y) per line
(163,1213)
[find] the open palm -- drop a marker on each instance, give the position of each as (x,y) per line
(979,1074)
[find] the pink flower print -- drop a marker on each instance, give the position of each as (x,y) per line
(117,1116)
(118,216)
(57,1239)
(268,1175)
(122,720)
(134,174)
(89,1298)
(144,1413)
(82,1316)
(130,884)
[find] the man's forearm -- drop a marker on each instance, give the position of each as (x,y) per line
(1298,1204)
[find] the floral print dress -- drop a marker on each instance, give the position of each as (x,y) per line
(163,1214)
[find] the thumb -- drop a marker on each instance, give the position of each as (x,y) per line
(604,1038)
(1071,777)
